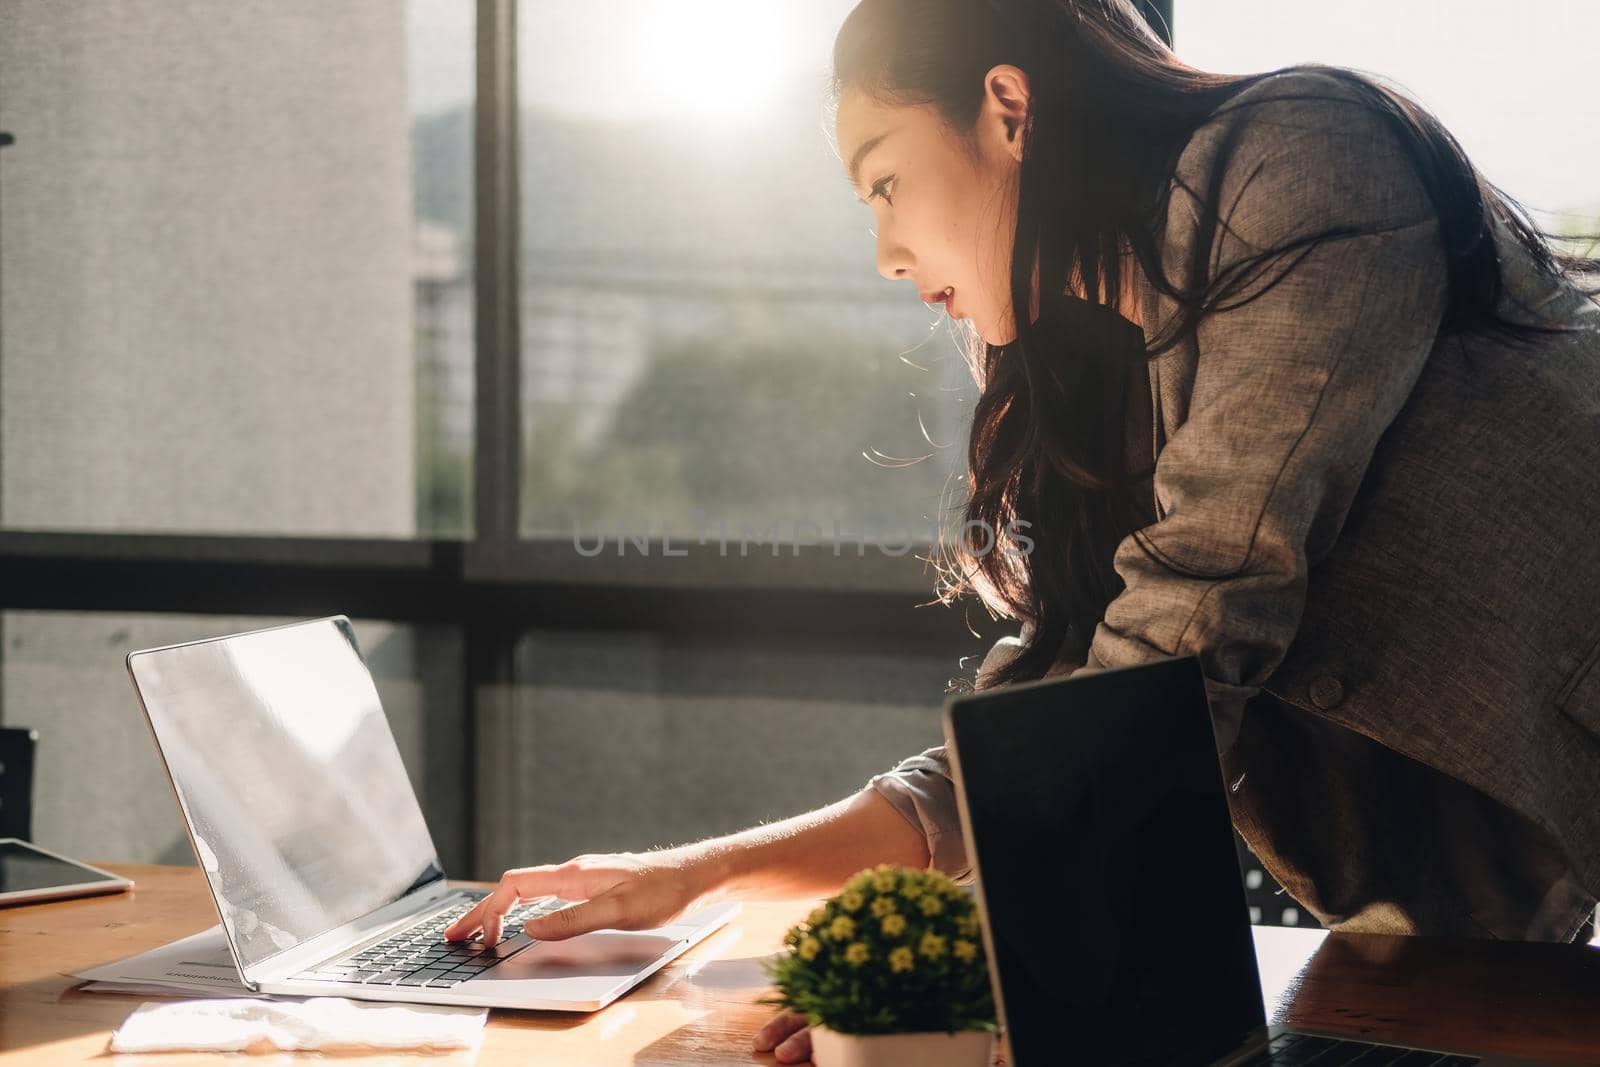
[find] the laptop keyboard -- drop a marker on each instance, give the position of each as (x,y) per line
(1292,1050)
(419,955)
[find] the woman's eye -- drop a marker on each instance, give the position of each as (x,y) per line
(879,190)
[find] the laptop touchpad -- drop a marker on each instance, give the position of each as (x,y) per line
(600,952)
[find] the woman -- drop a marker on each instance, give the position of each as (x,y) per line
(1297,391)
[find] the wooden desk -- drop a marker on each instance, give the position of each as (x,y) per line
(1532,999)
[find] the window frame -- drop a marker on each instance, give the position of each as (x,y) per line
(495,585)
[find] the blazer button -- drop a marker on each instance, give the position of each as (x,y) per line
(1326,692)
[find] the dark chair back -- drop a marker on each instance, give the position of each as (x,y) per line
(1269,903)
(17,745)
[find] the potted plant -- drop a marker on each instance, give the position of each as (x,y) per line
(890,970)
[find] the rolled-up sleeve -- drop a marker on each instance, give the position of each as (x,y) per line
(921,788)
(1292,388)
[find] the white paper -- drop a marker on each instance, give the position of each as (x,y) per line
(312,1023)
(199,965)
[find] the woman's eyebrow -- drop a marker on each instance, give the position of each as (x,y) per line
(854,169)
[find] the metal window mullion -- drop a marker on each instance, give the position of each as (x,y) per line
(5,139)
(490,643)
(497,333)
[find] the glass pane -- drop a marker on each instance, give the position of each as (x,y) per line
(632,740)
(707,343)
(441,56)
(99,791)
(224,308)
(1498,80)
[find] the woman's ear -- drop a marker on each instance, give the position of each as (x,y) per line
(1005,103)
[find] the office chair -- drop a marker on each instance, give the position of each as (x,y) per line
(1270,904)
(17,745)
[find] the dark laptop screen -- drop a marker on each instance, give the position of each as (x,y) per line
(1105,853)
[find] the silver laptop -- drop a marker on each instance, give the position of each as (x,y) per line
(309,833)
(1094,814)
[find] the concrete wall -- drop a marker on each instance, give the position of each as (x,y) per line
(205,272)
(625,741)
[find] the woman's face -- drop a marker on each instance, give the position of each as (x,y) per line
(945,213)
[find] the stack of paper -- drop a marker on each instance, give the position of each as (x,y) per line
(197,966)
(202,966)
(240,1024)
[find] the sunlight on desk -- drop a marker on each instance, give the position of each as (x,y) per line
(701,1008)
(1282,953)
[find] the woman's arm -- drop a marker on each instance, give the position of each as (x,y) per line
(810,855)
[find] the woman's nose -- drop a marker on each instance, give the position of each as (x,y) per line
(893,263)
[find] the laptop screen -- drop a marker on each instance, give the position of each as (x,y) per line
(298,805)
(1111,889)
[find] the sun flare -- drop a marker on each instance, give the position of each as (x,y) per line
(712,59)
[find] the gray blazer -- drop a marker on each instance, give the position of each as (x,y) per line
(1403,671)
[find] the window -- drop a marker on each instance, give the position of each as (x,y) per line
(264,354)
(440,56)
(707,347)
(62,674)
(630,739)
(1499,79)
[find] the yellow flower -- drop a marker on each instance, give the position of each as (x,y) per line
(894,925)
(818,916)
(860,881)
(911,891)
(931,946)
(856,954)
(968,925)
(882,906)
(884,880)
(965,950)
(842,928)
(932,905)
(850,900)
(901,959)
(809,947)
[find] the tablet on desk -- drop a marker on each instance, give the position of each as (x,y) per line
(28,872)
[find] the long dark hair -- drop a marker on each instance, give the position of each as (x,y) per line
(1110,108)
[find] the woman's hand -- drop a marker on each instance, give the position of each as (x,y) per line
(621,891)
(786,1036)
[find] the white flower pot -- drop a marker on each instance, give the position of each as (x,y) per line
(964,1048)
